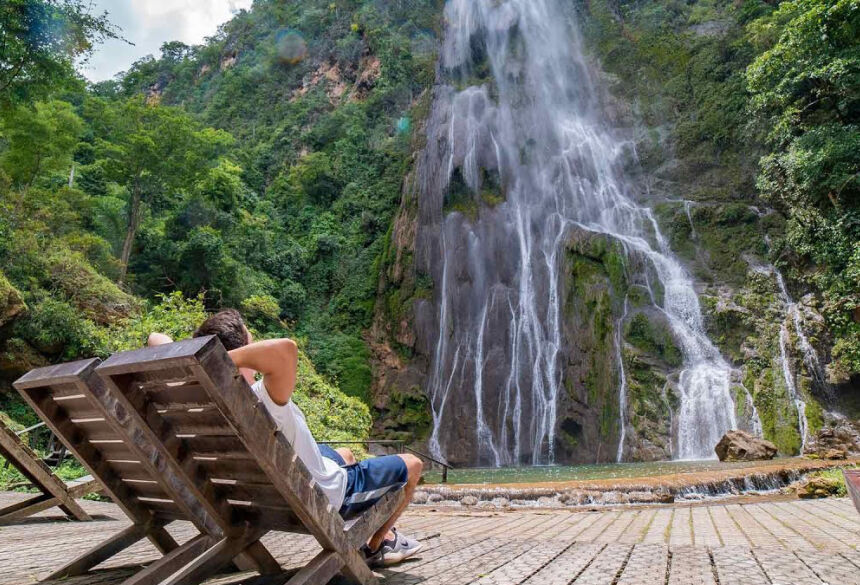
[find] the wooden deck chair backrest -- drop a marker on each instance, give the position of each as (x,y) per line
(72,400)
(221,443)
(186,401)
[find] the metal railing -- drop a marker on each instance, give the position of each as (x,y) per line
(400,447)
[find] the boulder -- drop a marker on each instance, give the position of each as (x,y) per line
(835,441)
(741,446)
(818,487)
(835,454)
(469,501)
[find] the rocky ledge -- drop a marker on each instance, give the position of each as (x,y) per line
(661,489)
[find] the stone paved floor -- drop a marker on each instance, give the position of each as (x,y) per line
(767,543)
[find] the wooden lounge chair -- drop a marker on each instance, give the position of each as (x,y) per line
(191,441)
(852,482)
(55,492)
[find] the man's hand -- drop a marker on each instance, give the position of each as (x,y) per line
(158,339)
(277,360)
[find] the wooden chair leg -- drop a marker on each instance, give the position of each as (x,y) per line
(355,568)
(211,560)
(258,558)
(173,561)
(320,569)
(28,507)
(101,553)
(162,540)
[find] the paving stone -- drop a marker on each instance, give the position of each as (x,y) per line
(647,564)
(659,527)
(524,566)
(690,565)
(785,569)
(606,566)
(704,532)
(567,565)
(682,530)
(737,566)
(755,533)
(637,529)
(830,568)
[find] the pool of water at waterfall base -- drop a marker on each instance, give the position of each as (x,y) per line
(555,473)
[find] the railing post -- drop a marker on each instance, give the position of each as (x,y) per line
(444,474)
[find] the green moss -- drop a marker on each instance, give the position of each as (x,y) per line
(653,338)
(408,415)
(11,301)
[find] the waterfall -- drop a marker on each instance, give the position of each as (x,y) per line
(792,312)
(519,114)
(622,384)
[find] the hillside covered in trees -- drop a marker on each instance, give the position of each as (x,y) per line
(266,169)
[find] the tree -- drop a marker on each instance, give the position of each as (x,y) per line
(155,152)
(40,41)
(806,91)
(39,140)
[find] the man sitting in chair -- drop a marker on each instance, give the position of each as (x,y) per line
(350,486)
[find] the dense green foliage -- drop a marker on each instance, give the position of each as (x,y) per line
(806,91)
(40,40)
(230,174)
(259,171)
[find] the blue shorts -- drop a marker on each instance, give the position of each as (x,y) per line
(367,481)
(330,453)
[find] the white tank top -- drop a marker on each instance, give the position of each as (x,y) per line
(291,421)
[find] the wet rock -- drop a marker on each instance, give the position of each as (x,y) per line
(835,441)
(818,487)
(741,446)
(469,501)
(664,496)
(435,498)
(501,502)
(547,501)
(420,498)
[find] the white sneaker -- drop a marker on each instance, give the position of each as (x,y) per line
(394,551)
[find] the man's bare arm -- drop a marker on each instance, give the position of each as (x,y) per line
(277,360)
(158,339)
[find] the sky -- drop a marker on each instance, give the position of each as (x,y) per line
(148,24)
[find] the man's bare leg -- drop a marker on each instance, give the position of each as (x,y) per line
(413,467)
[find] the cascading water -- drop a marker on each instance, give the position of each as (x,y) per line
(520,115)
(792,312)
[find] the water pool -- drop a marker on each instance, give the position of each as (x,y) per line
(551,473)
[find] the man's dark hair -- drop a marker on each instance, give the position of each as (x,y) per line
(228,326)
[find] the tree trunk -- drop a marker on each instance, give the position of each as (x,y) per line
(133,223)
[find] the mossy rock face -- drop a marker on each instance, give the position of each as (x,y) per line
(593,288)
(17,357)
(97,297)
(653,337)
(408,416)
(651,360)
(11,301)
